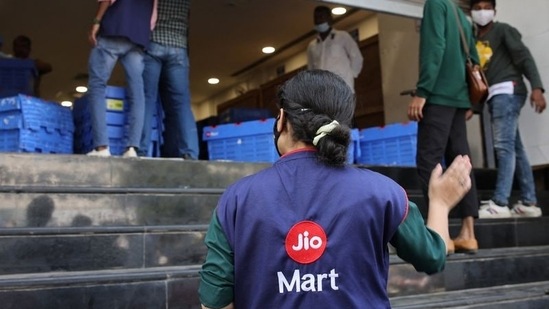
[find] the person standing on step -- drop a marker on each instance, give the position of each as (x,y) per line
(333,50)
(312,231)
(167,73)
(120,32)
(506,60)
(441,104)
(22,47)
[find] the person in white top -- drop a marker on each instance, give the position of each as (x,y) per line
(333,50)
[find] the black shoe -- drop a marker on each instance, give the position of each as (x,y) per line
(188,157)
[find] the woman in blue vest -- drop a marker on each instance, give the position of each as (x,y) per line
(311,231)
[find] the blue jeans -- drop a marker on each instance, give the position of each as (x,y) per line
(510,153)
(103,57)
(167,72)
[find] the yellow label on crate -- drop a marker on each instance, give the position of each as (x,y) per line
(115,105)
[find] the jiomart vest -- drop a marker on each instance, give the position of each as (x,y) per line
(305,235)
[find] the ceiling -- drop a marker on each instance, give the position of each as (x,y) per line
(226,37)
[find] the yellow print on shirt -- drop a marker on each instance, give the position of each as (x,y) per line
(485,52)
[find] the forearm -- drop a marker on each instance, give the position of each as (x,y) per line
(356,64)
(532,74)
(421,246)
(102,8)
(522,57)
(43,67)
(437,220)
(355,56)
(445,191)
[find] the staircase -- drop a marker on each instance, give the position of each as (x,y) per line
(82,232)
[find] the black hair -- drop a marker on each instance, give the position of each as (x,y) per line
(473,2)
(315,98)
(323,9)
(23,39)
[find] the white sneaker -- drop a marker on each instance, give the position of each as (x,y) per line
(490,210)
(521,210)
(100,153)
(130,153)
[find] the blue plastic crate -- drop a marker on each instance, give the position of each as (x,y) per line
(30,124)
(353,153)
(241,114)
(250,141)
(393,144)
(115,119)
(17,76)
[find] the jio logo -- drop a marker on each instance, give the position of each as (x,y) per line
(306,242)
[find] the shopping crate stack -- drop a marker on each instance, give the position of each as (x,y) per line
(250,141)
(83,139)
(29,124)
(157,129)
(393,144)
(117,124)
(17,77)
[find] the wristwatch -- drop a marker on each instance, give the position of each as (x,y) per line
(96,21)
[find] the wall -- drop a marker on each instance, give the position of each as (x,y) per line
(531,20)
(267,72)
(399,49)
(411,8)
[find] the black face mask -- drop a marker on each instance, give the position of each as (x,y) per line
(276,135)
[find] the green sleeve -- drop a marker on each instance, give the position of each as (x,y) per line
(217,274)
(522,58)
(432,45)
(417,244)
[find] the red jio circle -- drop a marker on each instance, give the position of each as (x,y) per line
(306,242)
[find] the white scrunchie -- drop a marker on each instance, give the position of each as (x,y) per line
(324,130)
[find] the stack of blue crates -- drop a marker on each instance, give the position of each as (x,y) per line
(29,124)
(83,140)
(393,145)
(354,151)
(16,77)
(117,124)
(250,141)
(157,128)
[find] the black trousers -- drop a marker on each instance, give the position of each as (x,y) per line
(442,134)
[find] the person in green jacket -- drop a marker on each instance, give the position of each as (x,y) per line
(505,60)
(441,103)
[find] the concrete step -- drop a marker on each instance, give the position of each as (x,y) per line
(543,200)
(498,277)
(20,172)
(100,208)
(121,207)
(31,250)
(162,287)
(511,232)
(515,296)
(78,247)
(487,268)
